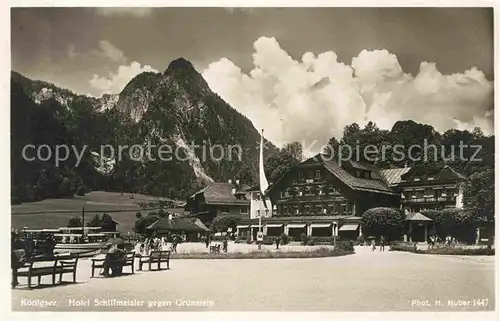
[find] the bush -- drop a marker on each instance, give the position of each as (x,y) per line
(311,242)
(80,191)
(411,247)
(304,238)
(284,239)
(222,223)
(455,222)
(460,251)
(65,188)
(385,221)
(321,252)
(404,247)
(346,246)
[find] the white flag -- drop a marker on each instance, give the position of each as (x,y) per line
(262,175)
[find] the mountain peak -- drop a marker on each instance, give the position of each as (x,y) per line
(180,63)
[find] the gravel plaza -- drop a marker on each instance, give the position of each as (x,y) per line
(364,281)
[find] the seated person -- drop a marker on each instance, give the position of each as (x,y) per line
(114,260)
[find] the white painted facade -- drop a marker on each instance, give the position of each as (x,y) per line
(257,206)
(460,198)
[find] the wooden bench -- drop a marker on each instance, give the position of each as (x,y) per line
(155,257)
(98,263)
(67,265)
(45,266)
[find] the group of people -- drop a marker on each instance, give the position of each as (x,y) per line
(382,244)
(208,240)
(158,243)
(435,240)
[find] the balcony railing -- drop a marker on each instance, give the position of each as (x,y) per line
(334,197)
(429,199)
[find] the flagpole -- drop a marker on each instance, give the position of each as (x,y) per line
(263,185)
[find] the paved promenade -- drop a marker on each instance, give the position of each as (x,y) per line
(365,281)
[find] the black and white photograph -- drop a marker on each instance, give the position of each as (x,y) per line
(279,159)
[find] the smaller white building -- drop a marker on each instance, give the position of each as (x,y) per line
(257,206)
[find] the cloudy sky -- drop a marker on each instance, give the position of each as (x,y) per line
(311,70)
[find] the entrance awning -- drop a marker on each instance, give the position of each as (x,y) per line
(349,227)
(302,225)
(321,225)
(243,226)
(274,225)
(417,217)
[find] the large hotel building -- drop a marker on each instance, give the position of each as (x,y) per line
(321,197)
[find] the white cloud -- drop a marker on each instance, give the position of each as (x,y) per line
(316,97)
(105,50)
(115,82)
(118,11)
(110,51)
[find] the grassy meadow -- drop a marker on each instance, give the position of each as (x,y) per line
(53,213)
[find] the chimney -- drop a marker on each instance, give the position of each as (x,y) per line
(230,181)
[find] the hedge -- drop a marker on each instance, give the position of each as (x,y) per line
(410,247)
(321,252)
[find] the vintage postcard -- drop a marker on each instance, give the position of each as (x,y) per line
(333,159)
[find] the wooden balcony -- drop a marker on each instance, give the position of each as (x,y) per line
(309,198)
(429,200)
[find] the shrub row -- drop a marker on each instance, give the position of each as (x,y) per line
(321,252)
(410,247)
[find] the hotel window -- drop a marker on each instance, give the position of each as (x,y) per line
(244,210)
(307,209)
(317,174)
(285,210)
(256,196)
(301,176)
(283,194)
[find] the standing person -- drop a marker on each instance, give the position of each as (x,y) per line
(373,245)
(277,243)
(207,241)
(50,244)
(224,245)
(151,245)
(174,244)
(382,243)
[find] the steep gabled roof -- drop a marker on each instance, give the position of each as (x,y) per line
(356,183)
(176,224)
(393,176)
(454,172)
(222,194)
(434,170)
